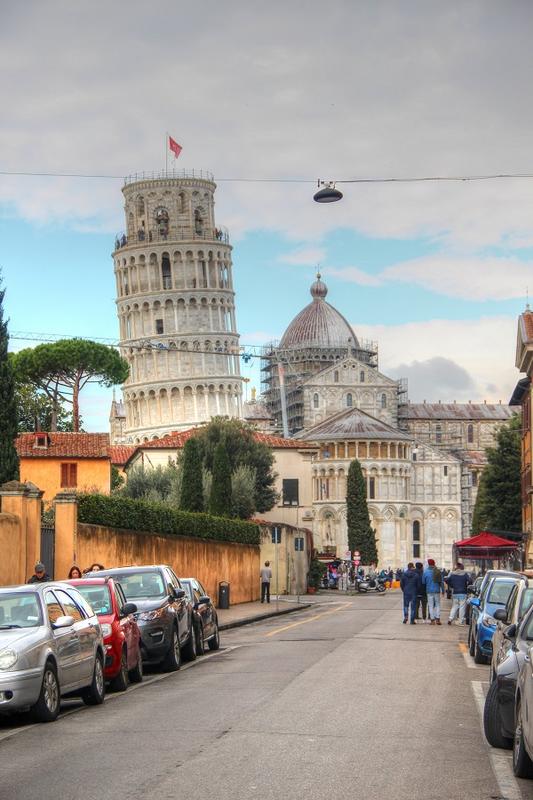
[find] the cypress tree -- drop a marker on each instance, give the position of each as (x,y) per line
(499,503)
(361,536)
(9,463)
(192,494)
(220,498)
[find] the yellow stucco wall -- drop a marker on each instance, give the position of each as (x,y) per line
(209,561)
(13,549)
(94,474)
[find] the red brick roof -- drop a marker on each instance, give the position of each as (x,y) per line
(119,453)
(64,445)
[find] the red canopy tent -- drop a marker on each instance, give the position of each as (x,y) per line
(487,546)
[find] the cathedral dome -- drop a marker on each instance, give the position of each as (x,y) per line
(319,324)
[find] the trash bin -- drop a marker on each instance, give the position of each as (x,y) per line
(223,594)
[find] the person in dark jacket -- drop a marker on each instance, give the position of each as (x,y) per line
(421,598)
(410,584)
(457,582)
(39,575)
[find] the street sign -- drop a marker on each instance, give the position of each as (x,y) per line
(347,555)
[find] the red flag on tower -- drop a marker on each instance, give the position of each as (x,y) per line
(174,146)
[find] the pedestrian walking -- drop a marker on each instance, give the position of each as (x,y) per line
(421,598)
(39,574)
(432,579)
(409,584)
(457,581)
(266,577)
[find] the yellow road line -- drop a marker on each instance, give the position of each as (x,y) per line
(305,621)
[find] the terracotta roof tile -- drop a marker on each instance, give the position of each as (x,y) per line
(119,453)
(64,445)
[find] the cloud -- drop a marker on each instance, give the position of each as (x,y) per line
(304,255)
(356,275)
(477,357)
(414,88)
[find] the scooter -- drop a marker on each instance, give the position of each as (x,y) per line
(368,584)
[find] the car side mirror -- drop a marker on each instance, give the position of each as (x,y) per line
(470,589)
(179,593)
(127,609)
(63,622)
(510,632)
(475,602)
(500,614)
(204,600)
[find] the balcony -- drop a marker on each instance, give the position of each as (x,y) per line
(169,174)
(184,235)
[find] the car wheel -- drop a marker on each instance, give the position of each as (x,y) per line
(172,660)
(189,650)
(46,709)
(214,642)
(479,658)
(492,723)
(95,693)
(137,673)
(121,681)
(522,764)
(471,641)
(200,644)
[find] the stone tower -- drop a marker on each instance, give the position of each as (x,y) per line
(176,306)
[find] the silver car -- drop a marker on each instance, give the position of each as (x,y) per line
(50,646)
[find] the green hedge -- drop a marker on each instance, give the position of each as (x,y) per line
(140,515)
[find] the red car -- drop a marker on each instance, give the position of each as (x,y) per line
(122,640)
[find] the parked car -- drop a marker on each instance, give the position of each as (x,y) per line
(473,591)
(122,638)
(509,648)
(50,646)
(204,615)
(164,613)
(494,594)
(523,735)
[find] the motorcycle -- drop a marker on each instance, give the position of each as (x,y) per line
(368,584)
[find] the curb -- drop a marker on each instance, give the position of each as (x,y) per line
(237,623)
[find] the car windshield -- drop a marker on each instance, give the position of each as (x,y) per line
(19,610)
(98,597)
(525,602)
(141,584)
(500,591)
(188,588)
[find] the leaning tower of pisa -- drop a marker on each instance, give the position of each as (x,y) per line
(176,306)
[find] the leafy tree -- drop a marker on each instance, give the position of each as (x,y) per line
(499,504)
(220,498)
(243,492)
(155,484)
(117,480)
(192,494)
(361,535)
(242,449)
(61,370)
(9,463)
(35,411)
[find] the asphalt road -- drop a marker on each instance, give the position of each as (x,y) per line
(338,701)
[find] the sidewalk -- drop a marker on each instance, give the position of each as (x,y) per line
(246,613)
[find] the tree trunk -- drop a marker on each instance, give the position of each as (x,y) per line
(76,406)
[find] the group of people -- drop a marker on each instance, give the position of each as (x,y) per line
(423,588)
(40,574)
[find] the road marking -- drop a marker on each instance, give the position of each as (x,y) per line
(466,655)
(118,695)
(499,760)
(310,619)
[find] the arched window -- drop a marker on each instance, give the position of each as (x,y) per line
(362,376)
(165,271)
(198,223)
(140,206)
(315,401)
(438,434)
(383,401)
(336,376)
(470,434)
(416,531)
(349,400)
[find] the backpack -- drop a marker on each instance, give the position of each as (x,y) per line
(437,575)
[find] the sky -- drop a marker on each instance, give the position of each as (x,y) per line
(437,273)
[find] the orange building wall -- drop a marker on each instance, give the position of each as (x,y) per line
(210,562)
(94,474)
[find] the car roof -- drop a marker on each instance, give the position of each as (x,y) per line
(121,570)
(90,581)
(37,588)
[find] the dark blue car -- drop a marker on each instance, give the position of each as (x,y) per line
(494,594)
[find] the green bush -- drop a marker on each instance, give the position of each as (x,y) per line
(116,511)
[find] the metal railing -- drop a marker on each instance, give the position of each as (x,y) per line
(214,235)
(201,174)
